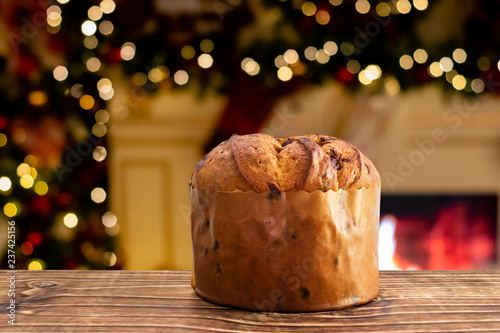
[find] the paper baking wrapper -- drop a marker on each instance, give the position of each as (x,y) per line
(292,251)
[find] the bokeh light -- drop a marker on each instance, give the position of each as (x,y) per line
(181,77)
(98,195)
(70,220)
(420,56)
(89,28)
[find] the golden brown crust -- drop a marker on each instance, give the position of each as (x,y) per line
(261,163)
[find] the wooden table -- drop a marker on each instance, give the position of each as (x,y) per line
(163,301)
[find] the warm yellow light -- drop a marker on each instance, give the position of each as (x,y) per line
(406,61)
(10,209)
(362,6)
(205,60)
(31,160)
(87,102)
(322,17)
(188,52)
(107,94)
(347,48)
(109,259)
(23,169)
(420,56)
(330,48)
(102,116)
(104,85)
(322,57)
(353,66)
(98,195)
(3,139)
(363,78)
(420,4)
(336,2)
(181,77)
(477,86)
(53,9)
(33,173)
(109,220)
(99,153)
(498,65)
(70,220)
(207,46)
(26,181)
(37,98)
(35,265)
(446,64)
(90,42)
(60,73)
(5,184)
(291,56)
(383,9)
(106,27)
(155,75)
(54,18)
(62,2)
(250,66)
(107,6)
(285,74)
(459,82)
(113,231)
(392,85)
(310,53)
(459,56)
(484,63)
(41,188)
(308,8)
(99,130)
(139,78)
(403,6)
(373,72)
(435,69)
(127,51)
(89,28)
(77,90)
(450,75)
(279,61)
(94,13)
(93,64)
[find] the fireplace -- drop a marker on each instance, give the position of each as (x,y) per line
(439,232)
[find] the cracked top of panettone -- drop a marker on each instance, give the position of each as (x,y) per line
(260,162)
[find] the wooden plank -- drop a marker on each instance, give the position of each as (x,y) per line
(152,301)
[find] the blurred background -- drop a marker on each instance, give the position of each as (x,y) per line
(107,106)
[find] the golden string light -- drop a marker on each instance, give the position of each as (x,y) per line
(70,220)
(5,184)
(403,6)
(330,48)
(310,53)
(291,56)
(308,8)
(446,64)
(420,56)
(353,66)
(362,6)
(406,62)
(322,57)
(89,28)
(459,56)
(181,77)
(285,74)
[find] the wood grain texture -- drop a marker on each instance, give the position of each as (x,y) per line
(163,301)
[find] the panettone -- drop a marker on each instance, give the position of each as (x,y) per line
(285,224)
